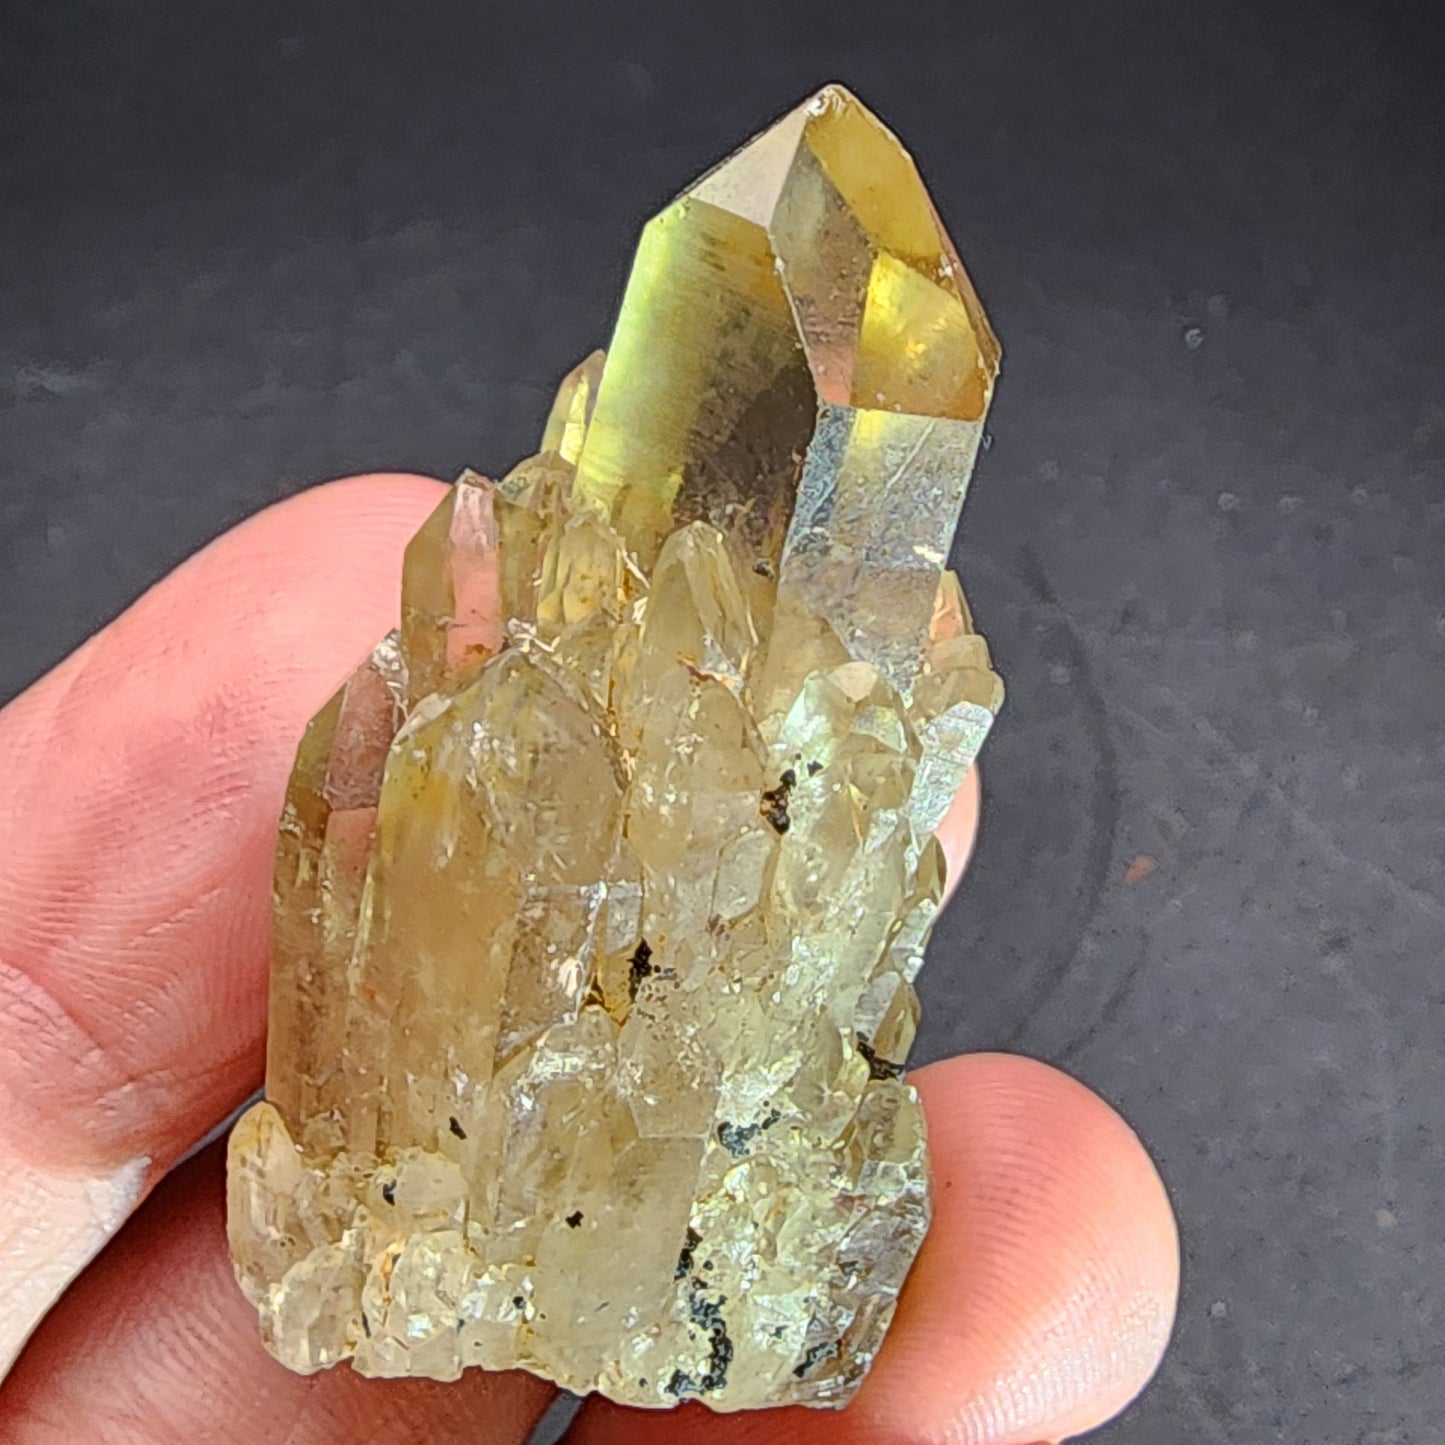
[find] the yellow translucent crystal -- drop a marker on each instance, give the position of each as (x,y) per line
(602,885)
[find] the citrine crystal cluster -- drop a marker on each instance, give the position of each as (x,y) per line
(603,883)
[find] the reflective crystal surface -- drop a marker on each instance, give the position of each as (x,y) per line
(603,883)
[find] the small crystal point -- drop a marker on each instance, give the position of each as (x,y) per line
(602,885)
(451,602)
(572,410)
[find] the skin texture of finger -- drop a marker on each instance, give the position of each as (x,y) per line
(144,780)
(155,1345)
(1040,1304)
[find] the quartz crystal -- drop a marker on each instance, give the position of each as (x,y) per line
(603,883)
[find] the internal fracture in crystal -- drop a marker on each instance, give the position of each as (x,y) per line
(602,884)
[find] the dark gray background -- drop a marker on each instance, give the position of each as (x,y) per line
(244,248)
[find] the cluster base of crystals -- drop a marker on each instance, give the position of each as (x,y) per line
(603,883)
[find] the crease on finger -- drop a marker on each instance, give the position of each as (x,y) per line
(55,1223)
(144,772)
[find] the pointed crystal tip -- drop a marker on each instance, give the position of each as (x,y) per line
(807,271)
(885,309)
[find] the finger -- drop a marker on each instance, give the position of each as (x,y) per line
(147,773)
(1040,1303)
(144,780)
(959,829)
(155,1345)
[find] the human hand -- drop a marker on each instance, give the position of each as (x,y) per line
(145,777)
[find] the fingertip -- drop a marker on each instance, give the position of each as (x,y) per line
(371,502)
(314,578)
(1045,1293)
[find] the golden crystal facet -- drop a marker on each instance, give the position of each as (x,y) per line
(602,885)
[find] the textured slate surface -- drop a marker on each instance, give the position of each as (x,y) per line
(246,248)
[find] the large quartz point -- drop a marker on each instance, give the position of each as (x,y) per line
(602,884)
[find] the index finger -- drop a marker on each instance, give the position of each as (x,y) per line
(145,776)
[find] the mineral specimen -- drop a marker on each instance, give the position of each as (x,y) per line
(603,883)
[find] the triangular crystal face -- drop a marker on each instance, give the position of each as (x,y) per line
(879,295)
(750,182)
